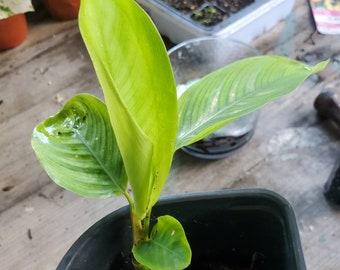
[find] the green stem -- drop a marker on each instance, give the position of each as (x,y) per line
(146,225)
(136,223)
(140,230)
(137,229)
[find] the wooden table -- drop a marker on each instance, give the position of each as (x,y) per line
(292,152)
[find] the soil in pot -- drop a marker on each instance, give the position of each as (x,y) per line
(209,15)
(216,147)
(209,12)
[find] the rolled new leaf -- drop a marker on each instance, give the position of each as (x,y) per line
(139,89)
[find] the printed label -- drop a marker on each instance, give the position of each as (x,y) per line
(326,15)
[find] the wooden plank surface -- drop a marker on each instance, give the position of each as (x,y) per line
(292,151)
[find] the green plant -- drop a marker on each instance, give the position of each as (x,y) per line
(11,7)
(125,146)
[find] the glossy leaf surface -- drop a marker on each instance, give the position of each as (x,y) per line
(136,76)
(236,90)
(78,150)
(168,248)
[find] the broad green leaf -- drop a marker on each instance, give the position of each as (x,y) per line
(236,90)
(78,150)
(167,249)
(136,76)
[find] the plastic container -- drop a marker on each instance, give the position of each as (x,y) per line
(231,229)
(192,60)
(63,10)
(13,31)
(245,25)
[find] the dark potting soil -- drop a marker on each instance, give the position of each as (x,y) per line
(217,147)
(255,264)
(208,12)
(204,266)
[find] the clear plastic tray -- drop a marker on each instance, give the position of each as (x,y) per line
(245,25)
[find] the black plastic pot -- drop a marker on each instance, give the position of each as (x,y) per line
(232,229)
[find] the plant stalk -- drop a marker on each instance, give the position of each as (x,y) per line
(140,230)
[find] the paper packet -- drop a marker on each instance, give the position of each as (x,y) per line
(326,15)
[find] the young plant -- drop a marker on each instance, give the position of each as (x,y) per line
(125,146)
(9,8)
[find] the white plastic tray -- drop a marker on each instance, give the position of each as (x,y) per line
(245,25)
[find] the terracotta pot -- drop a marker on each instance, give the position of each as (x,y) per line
(62,10)
(13,31)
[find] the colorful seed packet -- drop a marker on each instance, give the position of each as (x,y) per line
(326,15)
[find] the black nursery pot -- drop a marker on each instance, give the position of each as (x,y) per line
(233,229)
